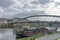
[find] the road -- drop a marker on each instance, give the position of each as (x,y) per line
(50,37)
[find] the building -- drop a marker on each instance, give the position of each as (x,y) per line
(20,20)
(52,29)
(58,29)
(10,20)
(3,21)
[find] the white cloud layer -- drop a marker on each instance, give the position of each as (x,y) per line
(1,10)
(56,0)
(51,7)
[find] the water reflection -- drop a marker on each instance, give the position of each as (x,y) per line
(7,34)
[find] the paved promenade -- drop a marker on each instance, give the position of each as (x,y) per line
(50,37)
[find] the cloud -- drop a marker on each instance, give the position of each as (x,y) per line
(25,14)
(25,5)
(13,7)
(1,10)
(43,2)
(53,9)
(56,0)
(5,3)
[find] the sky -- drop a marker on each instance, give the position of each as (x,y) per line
(22,8)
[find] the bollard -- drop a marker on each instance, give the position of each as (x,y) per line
(25,39)
(33,38)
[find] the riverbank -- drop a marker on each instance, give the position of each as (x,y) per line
(36,36)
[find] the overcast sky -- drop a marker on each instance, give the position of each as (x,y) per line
(21,8)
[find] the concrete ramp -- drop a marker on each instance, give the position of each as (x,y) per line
(49,37)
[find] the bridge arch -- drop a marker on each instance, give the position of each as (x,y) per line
(43,18)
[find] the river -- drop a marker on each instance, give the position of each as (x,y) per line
(7,34)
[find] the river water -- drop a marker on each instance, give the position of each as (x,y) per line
(7,34)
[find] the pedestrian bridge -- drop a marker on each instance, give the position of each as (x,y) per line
(44,20)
